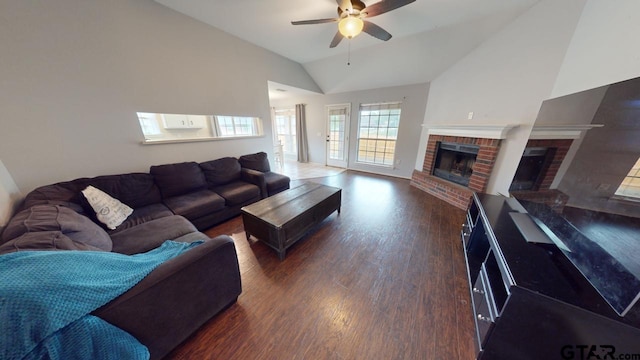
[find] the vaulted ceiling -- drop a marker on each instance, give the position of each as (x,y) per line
(428,36)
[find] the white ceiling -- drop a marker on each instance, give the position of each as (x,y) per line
(428,36)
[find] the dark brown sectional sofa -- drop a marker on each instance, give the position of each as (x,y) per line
(171,202)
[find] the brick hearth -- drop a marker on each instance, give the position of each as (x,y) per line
(457,195)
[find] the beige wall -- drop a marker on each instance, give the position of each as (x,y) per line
(504,81)
(73,74)
(603,48)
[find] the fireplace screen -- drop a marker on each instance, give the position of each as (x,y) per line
(454,162)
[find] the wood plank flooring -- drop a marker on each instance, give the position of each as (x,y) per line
(385,279)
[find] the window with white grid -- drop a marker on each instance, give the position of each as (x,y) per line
(378,132)
(286,130)
(227,126)
(630,186)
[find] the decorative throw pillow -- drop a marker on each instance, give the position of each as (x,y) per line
(109,211)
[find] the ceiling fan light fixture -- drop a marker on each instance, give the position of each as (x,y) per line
(350,26)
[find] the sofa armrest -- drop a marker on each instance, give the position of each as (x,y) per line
(257,178)
(180,295)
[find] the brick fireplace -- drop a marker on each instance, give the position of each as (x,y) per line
(556,138)
(487,140)
(456,194)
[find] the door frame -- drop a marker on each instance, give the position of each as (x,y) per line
(338,163)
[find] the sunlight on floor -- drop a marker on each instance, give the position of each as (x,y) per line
(297,171)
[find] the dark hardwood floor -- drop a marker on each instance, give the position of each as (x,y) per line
(385,279)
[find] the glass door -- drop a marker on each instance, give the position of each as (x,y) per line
(338,135)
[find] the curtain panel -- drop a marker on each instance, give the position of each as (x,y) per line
(301,132)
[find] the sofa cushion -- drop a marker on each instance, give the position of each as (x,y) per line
(43,240)
(108,210)
(192,237)
(64,193)
(40,218)
(276,182)
(195,204)
(257,161)
(238,192)
(134,189)
(178,179)
(151,234)
(142,215)
(221,171)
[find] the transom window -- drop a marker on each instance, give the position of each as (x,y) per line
(378,126)
(630,186)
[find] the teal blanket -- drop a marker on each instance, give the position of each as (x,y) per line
(46,298)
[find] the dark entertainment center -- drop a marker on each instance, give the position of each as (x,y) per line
(535,300)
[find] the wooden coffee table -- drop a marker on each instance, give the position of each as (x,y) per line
(284,218)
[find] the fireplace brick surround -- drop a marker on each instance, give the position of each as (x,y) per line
(455,194)
(460,196)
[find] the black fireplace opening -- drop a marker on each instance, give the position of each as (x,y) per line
(454,162)
(533,165)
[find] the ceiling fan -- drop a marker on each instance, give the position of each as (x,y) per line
(351,19)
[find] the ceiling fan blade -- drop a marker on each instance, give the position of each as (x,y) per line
(316,21)
(385,6)
(345,5)
(336,40)
(376,31)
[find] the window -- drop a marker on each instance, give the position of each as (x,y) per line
(149,125)
(377,133)
(167,128)
(286,130)
(630,186)
(235,126)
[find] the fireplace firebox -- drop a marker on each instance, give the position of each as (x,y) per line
(454,162)
(532,168)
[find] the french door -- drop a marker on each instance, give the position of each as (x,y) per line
(338,134)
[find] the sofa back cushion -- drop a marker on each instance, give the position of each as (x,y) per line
(63,193)
(45,218)
(221,171)
(178,179)
(135,189)
(257,161)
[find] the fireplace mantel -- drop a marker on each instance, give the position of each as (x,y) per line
(540,132)
(472,131)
